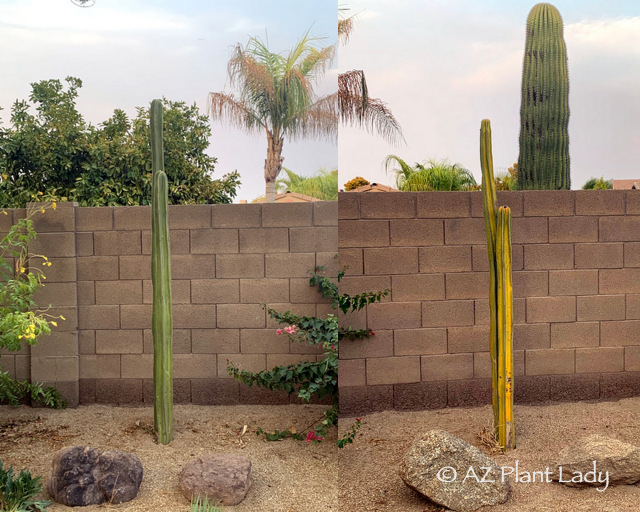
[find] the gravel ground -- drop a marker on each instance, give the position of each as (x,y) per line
(288,476)
(368,469)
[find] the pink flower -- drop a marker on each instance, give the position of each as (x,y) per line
(311,436)
(278,332)
(319,438)
(291,329)
(371,333)
(333,347)
(358,420)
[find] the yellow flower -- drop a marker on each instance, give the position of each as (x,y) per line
(31,336)
(32,327)
(62,318)
(3,211)
(42,211)
(44,277)
(44,263)
(20,337)
(55,324)
(54,206)
(5,177)
(39,193)
(22,270)
(45,258)
(48,263)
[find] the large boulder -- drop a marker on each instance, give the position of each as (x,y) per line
(586,461)
(452,473)
(223,478)
(83,476)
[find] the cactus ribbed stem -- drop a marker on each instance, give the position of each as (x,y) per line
(498,228)
(543,161)
(162,322)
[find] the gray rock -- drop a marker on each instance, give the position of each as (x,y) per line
(83,476)
(466,492)
(223,478)
(620,460)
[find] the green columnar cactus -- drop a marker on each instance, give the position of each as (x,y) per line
(161,279)
(498,227)
(543,162)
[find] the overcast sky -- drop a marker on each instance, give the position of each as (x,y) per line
(130,52)
(444,65)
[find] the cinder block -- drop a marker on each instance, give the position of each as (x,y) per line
(315,239)
(601,307)
(328,260)
(548,257)
(419,396)
(352,261)
(236,215)
(388,206)
(62,270)
(100,366)
(570,388)
(194,316)
(632,254)
(250,362)
(393,370)
(98,268)
(358,400)
(573,282)
(214,241)
(118,341)
(417,342)
(511,198)
(445,259)
(286,265)
(464,231)
(135,267)
(532,389)
(547,203)
(137,366)
(215,341)
(111,243)
(469,393)
(393,315)
(355,320)
(417,232)
(378,345)
(94,219)
(194,266)
(52,245)
(482,364)
(354,285)
(434,205)
(178,241)
(22,367)
(573,229)
(86,342)
(468,339)
(70,323)
(84,244)
(467,285)
(134,316)
(263,341)
(528,336)
(530,230)
(195,366)
(623,280)
(632,358)
(264,240)
(132,217)
(118,292)
(189,216)
(98,317)
(620,229)
(550,361)
(601,255)
(619,385)
(575,334)
(448,313)
(446,367)
(480,259)
(620,333)
(239,265)
(215,391)
(633,307)
(416,287)
(276,215)
(240,316)
(56,294)
(7,364)
(264,290)
(531,284)
(125,391)
(391,260)
(180,291)
(57,344)
(60,219)
(325,213)
(601,359)
(215,291)
(551,309)
(348,205)
(599,202)
(274,360)
(363,233)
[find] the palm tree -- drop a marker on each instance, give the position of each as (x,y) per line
(276,95)
(323,185)
(435,175)
(355,105)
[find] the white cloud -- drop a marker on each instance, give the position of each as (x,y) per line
(619,36)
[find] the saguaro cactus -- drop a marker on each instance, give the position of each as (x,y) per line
(543,162)
(498,227)
(162,321)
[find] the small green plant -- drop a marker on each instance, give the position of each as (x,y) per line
(17,495)
(204,505)
(12,391)
(309,379)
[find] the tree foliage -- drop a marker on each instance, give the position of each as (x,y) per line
(323,184)
(431,175)
(598,184)
(355,183)
(50,151)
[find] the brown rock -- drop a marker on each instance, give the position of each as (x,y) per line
(223,478)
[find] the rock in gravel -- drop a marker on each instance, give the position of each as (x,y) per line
(82,476)
(221,477)
(449,472)
(593,456)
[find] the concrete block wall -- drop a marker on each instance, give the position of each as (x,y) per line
(576,277)
(226,261)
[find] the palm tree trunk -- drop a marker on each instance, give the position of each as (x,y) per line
(272,165)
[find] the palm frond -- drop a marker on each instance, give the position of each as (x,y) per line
(435,175)
(224,106)
(323,184)
(320,120)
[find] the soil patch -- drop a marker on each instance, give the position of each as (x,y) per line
(288,476)
(369,467)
